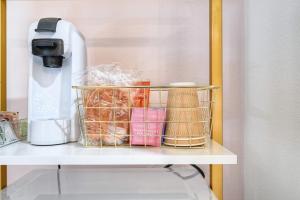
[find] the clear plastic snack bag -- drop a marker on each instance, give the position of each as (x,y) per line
(107,109)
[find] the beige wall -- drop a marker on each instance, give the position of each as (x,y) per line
(167,39)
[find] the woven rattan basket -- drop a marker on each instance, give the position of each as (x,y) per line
(184,115)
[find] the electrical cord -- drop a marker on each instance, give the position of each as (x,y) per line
(58,179)
(194,166)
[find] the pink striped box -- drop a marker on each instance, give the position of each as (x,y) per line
(147,126)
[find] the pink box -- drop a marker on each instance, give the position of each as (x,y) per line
(147,126)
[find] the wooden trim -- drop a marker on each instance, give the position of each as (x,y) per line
(216,78)
(3,55)
(3,169)
(3,176)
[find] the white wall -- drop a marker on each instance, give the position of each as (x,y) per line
(167,39)
(233,70)
(272,100)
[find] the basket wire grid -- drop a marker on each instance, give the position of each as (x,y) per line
(108,116)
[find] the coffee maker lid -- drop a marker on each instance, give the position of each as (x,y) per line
(47,25)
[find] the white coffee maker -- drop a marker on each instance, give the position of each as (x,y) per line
(57,52)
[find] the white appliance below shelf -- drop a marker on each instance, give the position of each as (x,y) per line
(74,154)
(176,183)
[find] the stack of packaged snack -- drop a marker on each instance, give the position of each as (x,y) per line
(108,108)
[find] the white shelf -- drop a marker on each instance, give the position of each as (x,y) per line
(74,154)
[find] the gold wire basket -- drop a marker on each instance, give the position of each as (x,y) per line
(147,116)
